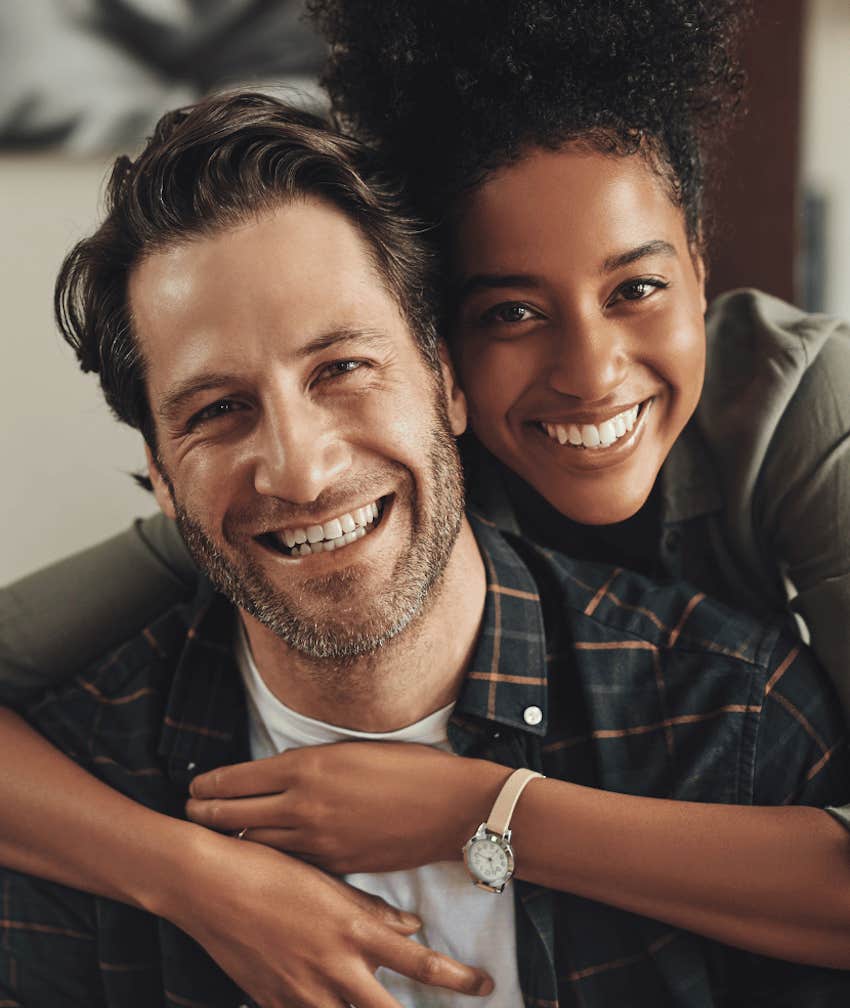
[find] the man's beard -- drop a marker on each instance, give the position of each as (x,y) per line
(434,527)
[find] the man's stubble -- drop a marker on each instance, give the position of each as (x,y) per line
(434,525)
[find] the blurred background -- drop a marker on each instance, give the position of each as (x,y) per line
(81,80)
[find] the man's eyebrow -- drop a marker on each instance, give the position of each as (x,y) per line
(178,395)
(336,337)
(174,398)
(656,247)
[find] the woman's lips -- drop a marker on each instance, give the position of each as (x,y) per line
(608,432)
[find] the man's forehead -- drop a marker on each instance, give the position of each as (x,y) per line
(295,274)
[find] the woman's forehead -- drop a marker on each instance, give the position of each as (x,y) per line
(569,203)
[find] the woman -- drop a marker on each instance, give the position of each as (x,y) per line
(567,181)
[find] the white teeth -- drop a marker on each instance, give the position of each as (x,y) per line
(332,529)
(333,534)
(589,436)
(593,435)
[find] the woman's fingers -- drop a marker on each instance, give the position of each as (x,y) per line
(229,815)
(401,921)
(258,777)
(428,967)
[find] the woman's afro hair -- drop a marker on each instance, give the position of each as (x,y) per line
(454,89)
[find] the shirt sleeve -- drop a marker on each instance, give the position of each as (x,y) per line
(801,755)
(802,504)
(59,620)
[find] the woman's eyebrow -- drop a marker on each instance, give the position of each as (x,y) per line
(656,247)
(493,281)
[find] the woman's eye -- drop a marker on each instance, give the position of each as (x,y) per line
(637,290)
(510,312)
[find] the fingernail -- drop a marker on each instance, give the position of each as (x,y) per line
(410,920)
(486,986)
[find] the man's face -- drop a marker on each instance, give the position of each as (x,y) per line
(305,447)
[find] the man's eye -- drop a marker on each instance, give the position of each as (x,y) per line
(510,312)
(637,290)
(341,367)
(220,408)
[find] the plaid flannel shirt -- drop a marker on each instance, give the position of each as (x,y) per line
(639,688)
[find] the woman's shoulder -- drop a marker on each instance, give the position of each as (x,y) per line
(768,365)
(758,344)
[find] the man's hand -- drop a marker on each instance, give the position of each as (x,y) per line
(353,806)
(292,937)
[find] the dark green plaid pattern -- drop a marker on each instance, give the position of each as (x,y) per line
(643,689)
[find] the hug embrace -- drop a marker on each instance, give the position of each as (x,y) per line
(460,661)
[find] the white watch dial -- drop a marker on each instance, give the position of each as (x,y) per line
(488,861)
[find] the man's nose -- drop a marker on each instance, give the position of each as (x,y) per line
(589,359)
(300,450)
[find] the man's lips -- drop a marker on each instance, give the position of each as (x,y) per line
(325,537)
(580,432)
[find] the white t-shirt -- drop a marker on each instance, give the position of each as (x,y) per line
(464,922)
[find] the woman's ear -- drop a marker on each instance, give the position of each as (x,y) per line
(455,398)
(161,488)
(701,274)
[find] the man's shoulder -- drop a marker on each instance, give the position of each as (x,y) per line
(642,671)
(600,603)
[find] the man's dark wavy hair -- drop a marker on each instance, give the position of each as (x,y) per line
(451,91)
(214,165)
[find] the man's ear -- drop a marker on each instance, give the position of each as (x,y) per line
(455,397)
(161,490)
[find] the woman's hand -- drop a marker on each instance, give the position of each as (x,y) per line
(293,937)
(353,806)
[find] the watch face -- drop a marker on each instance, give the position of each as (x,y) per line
(488,861)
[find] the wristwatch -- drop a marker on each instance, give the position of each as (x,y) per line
(488,854)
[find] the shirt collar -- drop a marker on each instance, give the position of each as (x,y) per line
(205,726)
(506,682)
(690,485)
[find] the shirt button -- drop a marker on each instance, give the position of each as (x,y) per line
(532,715)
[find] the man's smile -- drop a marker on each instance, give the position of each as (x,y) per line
(325,537)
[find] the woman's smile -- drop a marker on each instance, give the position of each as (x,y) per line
(579,332)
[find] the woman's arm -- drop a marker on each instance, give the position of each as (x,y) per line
(770,880)
(91,602)
(241,901)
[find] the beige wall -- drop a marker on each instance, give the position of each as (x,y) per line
(63,459)
(826,136)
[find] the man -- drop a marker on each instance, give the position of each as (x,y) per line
(256,305)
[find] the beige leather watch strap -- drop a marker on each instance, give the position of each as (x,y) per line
(503,809)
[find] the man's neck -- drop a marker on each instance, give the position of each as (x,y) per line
(417,672)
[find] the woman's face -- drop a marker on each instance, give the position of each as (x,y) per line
(579,331)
